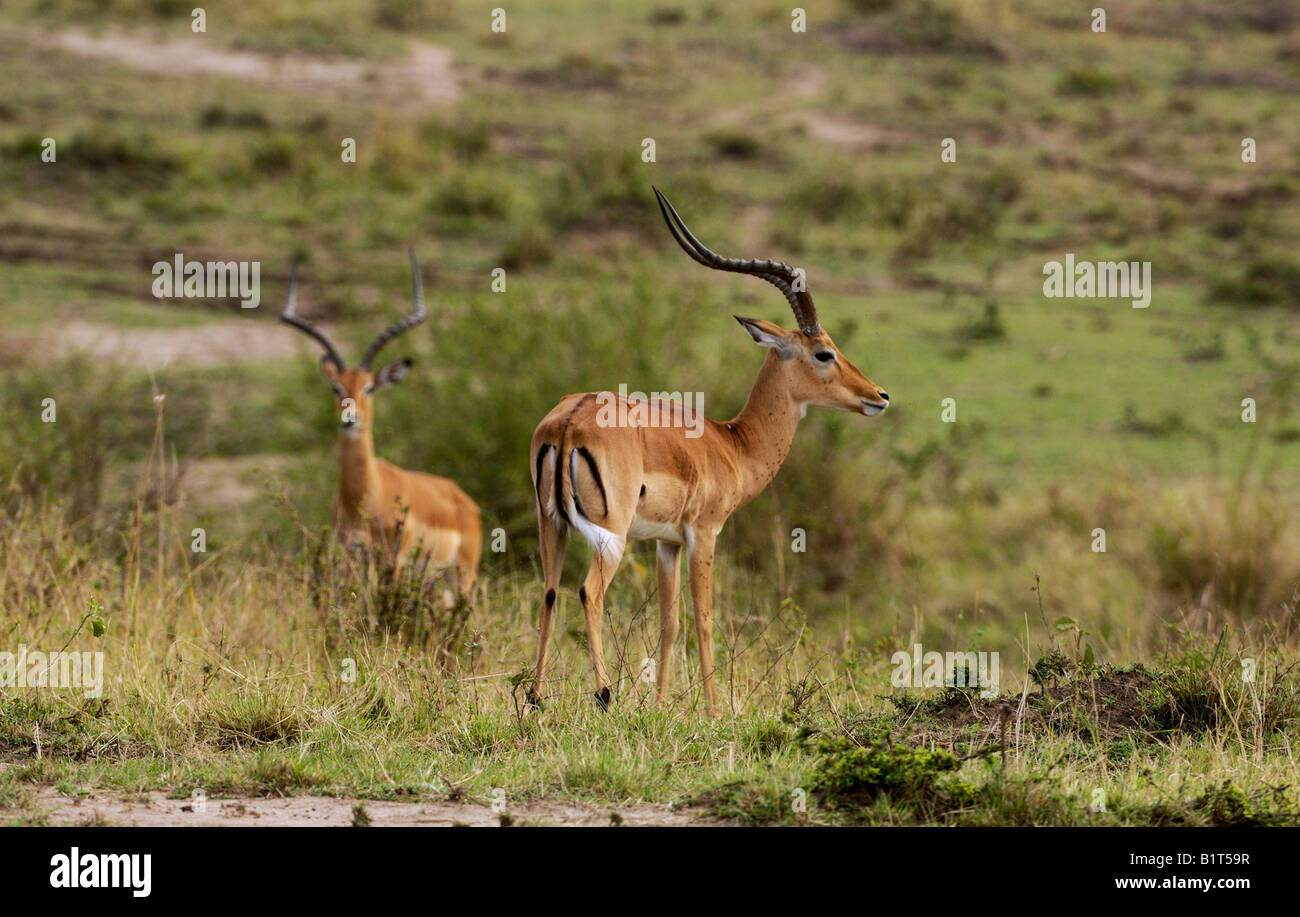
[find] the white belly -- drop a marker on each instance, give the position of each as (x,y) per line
(642,530)
(442,545)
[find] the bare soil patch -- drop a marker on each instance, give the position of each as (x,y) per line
(214,483)
(1106,706)
(154,348)
(156,810)
(854,134)
(425,75)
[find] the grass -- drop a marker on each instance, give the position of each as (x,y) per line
(205,691)
(819,148)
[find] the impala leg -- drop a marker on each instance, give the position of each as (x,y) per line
(465,579)
(701,560)
(553,541)
(668,569)
(395,548)
(467,558)
(592,593)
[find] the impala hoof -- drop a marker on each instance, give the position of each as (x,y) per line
(603,698)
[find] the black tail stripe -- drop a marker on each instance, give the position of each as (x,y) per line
(559,481)
(537,481)
(591,466)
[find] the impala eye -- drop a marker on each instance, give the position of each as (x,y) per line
(824,356)
(338,390)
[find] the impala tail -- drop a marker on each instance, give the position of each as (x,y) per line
(571,490)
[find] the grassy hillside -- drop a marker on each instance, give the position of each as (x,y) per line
(523,150)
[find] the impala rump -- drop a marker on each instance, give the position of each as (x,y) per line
(605,485)
(570,487)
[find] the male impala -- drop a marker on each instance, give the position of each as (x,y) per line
(440,520)
(679,483)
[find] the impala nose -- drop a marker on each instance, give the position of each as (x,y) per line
(884,396)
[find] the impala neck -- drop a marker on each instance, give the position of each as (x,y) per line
(764,428)
(358,475)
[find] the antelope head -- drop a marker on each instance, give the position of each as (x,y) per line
(814,369)
(354,387)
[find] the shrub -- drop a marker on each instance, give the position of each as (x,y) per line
(469,197)
(217,116)
(852,775)
(274,154)
(987,327)
(1266,281)
(1088,81)
(734,144)
(529,246)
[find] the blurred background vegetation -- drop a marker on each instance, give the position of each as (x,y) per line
(522,150)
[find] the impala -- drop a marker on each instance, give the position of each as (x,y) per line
(615,482)
(407,512)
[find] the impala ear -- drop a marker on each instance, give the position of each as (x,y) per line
(329,369)
(392,374)
(765,334)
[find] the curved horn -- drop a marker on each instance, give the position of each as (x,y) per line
(780,275)
(289,318)
(410,321)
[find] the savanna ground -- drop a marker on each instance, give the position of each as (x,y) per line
(277,680)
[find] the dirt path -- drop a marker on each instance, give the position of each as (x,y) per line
(221,483)
(424,75)
(155,809)
(849,133)
(154,348)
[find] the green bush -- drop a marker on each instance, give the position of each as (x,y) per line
(854,775)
